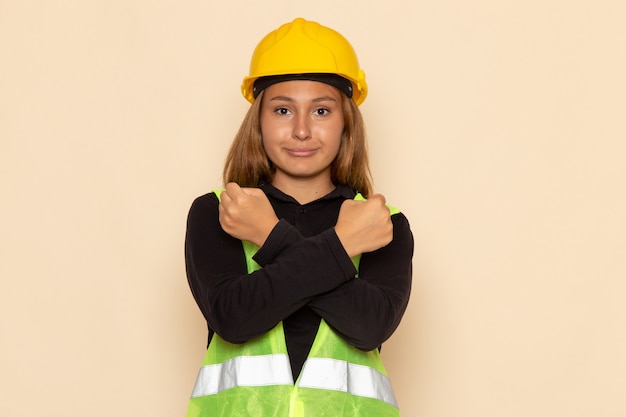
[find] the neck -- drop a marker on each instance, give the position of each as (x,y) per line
(305,190)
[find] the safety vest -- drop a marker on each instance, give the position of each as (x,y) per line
(254,378)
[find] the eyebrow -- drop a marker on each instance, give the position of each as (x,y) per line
(315,100)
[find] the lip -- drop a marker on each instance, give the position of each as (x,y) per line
(301,152)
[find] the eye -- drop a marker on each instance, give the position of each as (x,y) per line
(322,111)
(283,111)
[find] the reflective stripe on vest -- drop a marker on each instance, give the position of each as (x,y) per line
(320,373)
(336,375)
(243,371)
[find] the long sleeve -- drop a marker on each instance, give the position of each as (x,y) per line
(239,306)
(367,310)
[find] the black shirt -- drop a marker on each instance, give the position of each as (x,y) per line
(306,275)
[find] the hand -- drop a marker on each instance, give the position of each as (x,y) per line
(364,226)
(246,213)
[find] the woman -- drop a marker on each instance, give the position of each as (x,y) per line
(300,278)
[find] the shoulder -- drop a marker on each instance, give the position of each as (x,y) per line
(398,218)
(401,226)
(204,204)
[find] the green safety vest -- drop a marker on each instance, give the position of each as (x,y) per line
(254,378)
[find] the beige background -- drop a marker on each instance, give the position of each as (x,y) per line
(497,126)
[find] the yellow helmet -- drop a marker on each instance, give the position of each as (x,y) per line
(305,48)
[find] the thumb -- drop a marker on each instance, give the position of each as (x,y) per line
(378,198)
(233,189)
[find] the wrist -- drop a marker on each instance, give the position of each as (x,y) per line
(264,232)
(349,245)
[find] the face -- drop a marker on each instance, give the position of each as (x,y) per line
(301,125)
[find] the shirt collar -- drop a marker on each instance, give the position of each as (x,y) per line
(340,191)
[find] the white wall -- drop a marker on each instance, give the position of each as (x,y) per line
(497,126)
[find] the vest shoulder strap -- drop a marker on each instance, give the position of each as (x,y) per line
(392,210)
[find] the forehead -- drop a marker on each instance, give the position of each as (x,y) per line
(302,90)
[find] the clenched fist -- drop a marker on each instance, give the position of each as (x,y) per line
(246,213)
(364,226)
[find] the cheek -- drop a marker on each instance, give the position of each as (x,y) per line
(337,137)
(337,147)
(271,133)
(268,141)
(267,134)
(270,144)
(266,145)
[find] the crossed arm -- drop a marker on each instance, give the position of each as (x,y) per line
(296,270)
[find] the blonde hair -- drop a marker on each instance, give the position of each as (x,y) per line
(247,163)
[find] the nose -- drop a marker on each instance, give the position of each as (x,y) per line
(301,128)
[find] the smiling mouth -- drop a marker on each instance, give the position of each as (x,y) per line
(301,152)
